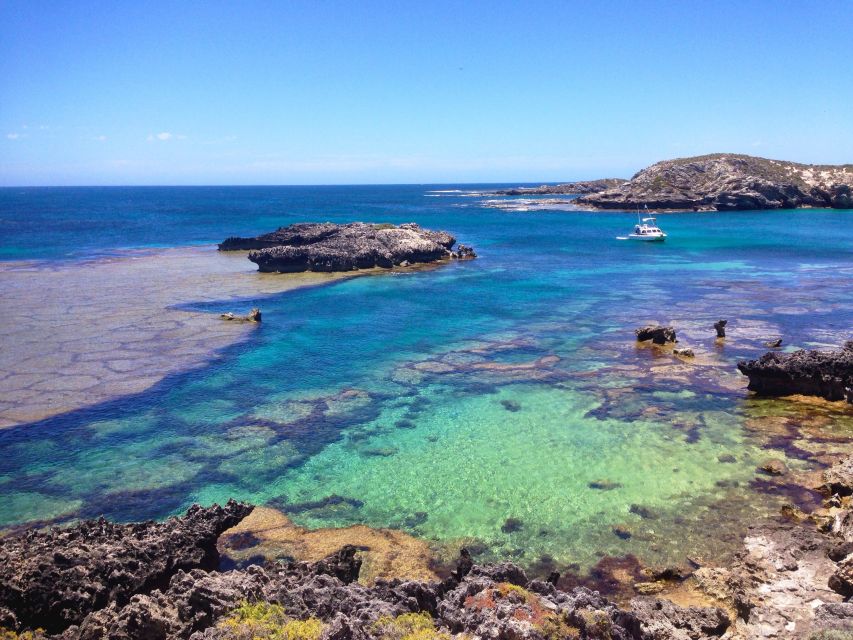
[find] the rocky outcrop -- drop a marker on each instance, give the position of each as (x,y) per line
(583,186)
(345,247)
(53,579)
(728,182)
(657,334)
(253,316)
(826,374)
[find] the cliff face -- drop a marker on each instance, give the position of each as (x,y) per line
(727,182)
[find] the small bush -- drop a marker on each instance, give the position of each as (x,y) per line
(383,225)
(408,626)
(265,621)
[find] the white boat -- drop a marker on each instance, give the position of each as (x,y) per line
(646,230)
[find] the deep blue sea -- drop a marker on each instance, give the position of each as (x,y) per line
(445,402)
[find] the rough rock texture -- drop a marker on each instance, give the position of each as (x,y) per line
(583,186)
(657,334)
(794,576)
(136,581)
(345,247)
(53,579)
(827,374)
(726,182)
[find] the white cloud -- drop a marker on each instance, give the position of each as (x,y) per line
(100,138)
(163,136)
(15,136)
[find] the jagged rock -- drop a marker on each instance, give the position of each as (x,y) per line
(657,334)
(838,479)
(53,579)
(826,374)
(773,344)
(728,182)
(253,316)
(684,353)
(583,186)
(720,328)
(345,247)
(663,620)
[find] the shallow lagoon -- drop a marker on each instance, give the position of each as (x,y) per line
(499,403)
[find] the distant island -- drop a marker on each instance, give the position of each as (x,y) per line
(729,182)
(583,186)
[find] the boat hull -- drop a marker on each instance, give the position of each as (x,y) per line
(647,238)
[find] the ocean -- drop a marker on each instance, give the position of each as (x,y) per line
(500,403)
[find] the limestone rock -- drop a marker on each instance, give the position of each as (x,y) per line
(345,247)
(827,374)
(657,334)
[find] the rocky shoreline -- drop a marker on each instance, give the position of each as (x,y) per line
(729,182)
(346,247)
(793,577)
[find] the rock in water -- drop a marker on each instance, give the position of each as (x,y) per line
(720,327)
(253,316)
(684,353)
(345,247)
(53,579)
(826,374)
(657,334)
(727,181)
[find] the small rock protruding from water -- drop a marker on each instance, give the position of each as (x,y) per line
(720,327)
(253,316)
(773,344)
(658,334)
(684,353)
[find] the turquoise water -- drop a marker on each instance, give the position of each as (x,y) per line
(448,401)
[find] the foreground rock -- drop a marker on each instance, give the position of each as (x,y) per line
(728,182)
(826,374)
(583,186)
(55,578)
(345,247)
(156,581)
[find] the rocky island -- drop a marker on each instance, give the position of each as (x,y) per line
(345,247)
(727,182)
(567,188)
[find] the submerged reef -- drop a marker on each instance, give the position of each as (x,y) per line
(345,247)
(728,182)
(826,374)
(793,578)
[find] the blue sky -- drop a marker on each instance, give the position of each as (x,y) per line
(323,92)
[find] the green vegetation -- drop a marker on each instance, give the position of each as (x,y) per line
(408,626)
(384,225)
(265,621)
(6,634)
